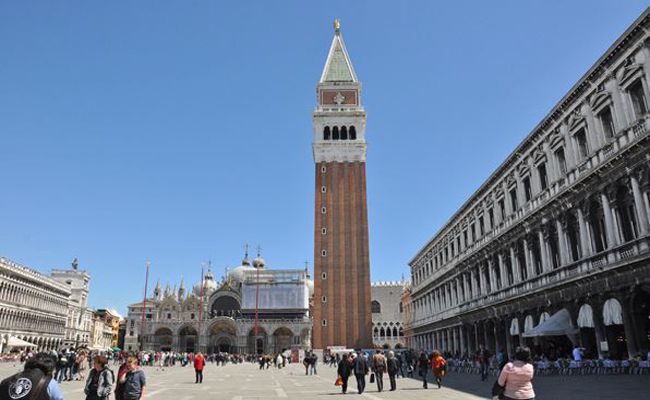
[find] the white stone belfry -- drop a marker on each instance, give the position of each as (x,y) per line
(339,119)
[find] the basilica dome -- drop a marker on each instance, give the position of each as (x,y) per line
(209,285)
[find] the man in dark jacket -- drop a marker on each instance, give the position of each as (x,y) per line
(34,383)
(360,368)
(345,370)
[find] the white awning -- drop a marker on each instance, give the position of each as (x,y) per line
(586,317)
(544,316)
(514,327)
(612,313)
(528,323)
(558,324)
(16,342)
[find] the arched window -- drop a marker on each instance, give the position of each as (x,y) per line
(326,133)
(375,307)
(335,133)
(353,133)
(344,133)
(382,333)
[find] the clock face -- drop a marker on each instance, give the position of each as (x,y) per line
(339,97)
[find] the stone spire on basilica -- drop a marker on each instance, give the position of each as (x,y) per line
(157,294)
(181,291)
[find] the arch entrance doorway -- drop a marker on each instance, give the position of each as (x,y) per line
(222,337)
(188,338)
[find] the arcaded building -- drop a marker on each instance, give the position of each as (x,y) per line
(388,314)
(341,259)
(33,307)
(253,310)
(560,231)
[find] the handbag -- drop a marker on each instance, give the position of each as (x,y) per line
(339,381)
(498,390)
(372,378)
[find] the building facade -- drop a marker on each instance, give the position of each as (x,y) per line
(113,319)
(559,231)
(33,306)
(101,332)
(341,260)
(252,310)
(78,324)
(387,314)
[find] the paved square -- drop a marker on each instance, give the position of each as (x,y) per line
(247,382)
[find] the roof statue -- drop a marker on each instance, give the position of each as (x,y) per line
(75,264)
(337,26)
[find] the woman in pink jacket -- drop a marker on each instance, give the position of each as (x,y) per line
(517,377)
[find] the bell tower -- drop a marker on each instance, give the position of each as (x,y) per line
(341,259)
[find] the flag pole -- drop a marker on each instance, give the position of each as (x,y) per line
(201,305)
(143,321)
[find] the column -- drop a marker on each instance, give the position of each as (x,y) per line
(493,278)
(599,326)
(509,346)
(542,250)
(459,293)
(528,259)
(502,268)
(463,346)
(609,222)
(473,282)
(466,287)
(486,339)
(516,275)
(561,239)
(639,206)
(476,341)
(497,345)
(628,326)
(585,243)
(481,276)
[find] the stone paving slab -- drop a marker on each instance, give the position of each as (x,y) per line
(247,382)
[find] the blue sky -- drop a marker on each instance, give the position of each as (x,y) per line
(177,131)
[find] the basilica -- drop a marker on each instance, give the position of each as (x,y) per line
(253,309)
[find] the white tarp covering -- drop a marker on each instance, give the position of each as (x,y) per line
(514,327)
(528,323)
(558,324)
(586,317)
(612,313)
(16,342)
(544,316)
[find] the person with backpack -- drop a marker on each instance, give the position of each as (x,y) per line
(100,380)
(34,382)
(379,367)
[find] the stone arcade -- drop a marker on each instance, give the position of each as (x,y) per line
(562,226)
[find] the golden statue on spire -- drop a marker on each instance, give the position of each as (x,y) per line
(337,26)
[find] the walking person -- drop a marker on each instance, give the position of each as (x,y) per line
(516,377)
(378,367)
(393,367)
(423,368)
(483,358)
(199,363)
(133,382)
(345,370)
(34,382)
(313,360)
(100,380)
(360,368)
(438,367)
